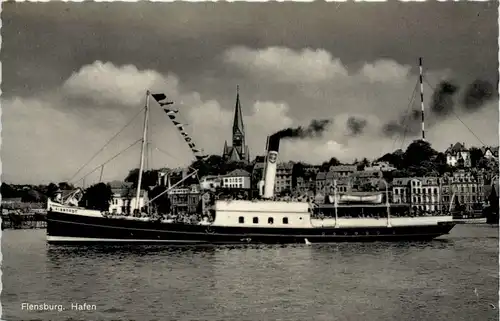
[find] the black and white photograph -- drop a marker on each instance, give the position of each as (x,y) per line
(219,161)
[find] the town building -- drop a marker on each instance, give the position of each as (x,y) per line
(184,200)
(490,152)
(257,173)
(401,192)
(124,198)
(380,166)
(239,151)
(284,172)
(426,194)
(458,155)
(325,179)
(363,180)
(238,178)
(320,181)
(210,182)
(421,193)
(467,188)
(306,180)
(342,170)
(305,183)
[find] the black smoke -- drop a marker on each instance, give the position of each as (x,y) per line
(442,105)
(315,129)
(407,124)
(356,125)
(477,94)
(442,102)
(393,128)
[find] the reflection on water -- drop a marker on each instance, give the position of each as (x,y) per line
(348,281)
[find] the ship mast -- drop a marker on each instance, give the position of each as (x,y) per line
(143,146)
(422,107)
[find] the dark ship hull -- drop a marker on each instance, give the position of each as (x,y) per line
(65,228)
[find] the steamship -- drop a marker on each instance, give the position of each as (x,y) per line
(263,220)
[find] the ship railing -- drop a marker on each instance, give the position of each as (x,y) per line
(387,203)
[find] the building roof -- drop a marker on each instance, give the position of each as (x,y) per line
(370,173)
(120,184)
(238,173)
(458,147)
(320,175)
(11,199)
(238,116)
(493,150)
(429,180)
(259,166)
(126,192)
(403,181)
(285,166)
(343,168)
(341,181)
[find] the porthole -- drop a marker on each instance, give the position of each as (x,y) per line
(241,220)
(285,220)
(255,220)
(270,220)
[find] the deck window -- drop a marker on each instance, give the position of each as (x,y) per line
(270,220)
(285,220)
(241,220)
(255,220)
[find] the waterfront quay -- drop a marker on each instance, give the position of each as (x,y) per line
(15,220)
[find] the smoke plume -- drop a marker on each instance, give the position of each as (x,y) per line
(477,94)
(356,125)
(315,129)
(441,106)
(407,124)
(442,103)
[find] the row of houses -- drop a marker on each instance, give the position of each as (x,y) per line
(457,154)
(440,193)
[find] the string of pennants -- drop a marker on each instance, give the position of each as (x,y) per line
(172,114)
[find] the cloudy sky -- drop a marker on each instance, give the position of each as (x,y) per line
(74,74)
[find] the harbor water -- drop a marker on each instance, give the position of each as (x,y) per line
(452,278)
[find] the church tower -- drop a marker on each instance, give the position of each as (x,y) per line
(238,152)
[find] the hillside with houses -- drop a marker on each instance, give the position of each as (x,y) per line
(419,176)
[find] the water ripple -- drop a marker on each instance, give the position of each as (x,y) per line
(353,281)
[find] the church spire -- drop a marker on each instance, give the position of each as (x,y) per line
(238,116)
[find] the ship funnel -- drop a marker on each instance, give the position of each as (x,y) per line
(273,146)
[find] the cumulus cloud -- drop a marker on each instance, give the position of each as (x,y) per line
(286,65)
(310,66)
(105,82)
(384,70)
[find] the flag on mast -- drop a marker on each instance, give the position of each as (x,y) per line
(171,113)
(162,99)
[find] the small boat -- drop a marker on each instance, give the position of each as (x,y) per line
(375,198)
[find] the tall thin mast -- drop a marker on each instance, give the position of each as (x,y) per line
(143,145)
(422,96)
